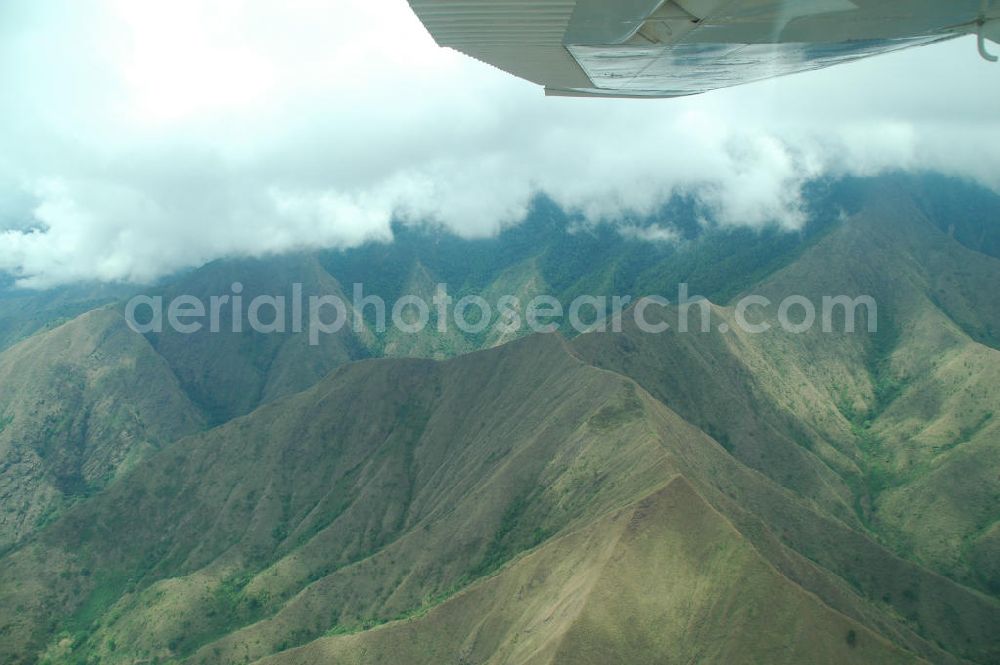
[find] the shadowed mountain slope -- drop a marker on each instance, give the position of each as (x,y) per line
(231,371)
(24,312)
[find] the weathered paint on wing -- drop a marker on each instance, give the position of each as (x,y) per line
(669,48)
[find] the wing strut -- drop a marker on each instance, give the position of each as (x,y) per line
(981,36)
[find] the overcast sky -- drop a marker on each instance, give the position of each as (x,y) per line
(137,138)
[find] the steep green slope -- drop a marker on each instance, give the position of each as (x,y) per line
(962,209)
(80,404)
(920,393)
(439,339)
(230,372)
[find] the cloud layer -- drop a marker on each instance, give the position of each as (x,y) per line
(140,138)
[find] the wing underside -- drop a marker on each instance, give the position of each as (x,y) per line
(670,48)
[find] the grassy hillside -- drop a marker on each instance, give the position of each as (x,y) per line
(25,312)
(666,579)
(80,404)
(919,395)
(895,427)
(394,484)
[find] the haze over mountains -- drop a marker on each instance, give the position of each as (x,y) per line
(545,499)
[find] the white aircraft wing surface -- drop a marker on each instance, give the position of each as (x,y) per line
(671,48)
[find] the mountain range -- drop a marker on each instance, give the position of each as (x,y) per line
(712,496)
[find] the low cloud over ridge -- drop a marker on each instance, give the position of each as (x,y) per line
(135,141)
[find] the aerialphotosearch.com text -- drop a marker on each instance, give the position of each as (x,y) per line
(327,314)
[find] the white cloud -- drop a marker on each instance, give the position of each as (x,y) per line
(140,138)
(650,233)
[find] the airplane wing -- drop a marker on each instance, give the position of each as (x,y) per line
(672,48)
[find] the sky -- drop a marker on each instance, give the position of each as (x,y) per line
(140,138)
